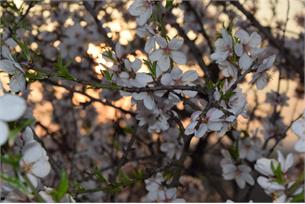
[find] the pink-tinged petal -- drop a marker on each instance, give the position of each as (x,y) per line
(239,50)
(155,55)
(178,57)
(175,43)
(255,40)
(12,107)
(243,36)
(201,130)
(164,63)
(166,79)
(189,76)
(161,41)
(3,132)
(245,62)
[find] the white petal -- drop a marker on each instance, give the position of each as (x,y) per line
(201,130)
(161,41)
(32,153)
(11,107)
(189,76)
(33,180)
(255,40)
(214,126)
(3,132)
(178,57)
(155,55)
(136,65)
(164,63)
(41,168)
(245,62)
(17,82)
(7,66)
(239,50)
(175,43)
(166,79)
(262,81)
(240,182)
(243,36)
(142,19)
(149,102)
(300,146)
(149,45)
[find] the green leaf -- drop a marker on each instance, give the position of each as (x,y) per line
(124,179)
(10,159)
(14,182)
(298,198)
(59,192)
(226,97)
(99,176)
(278,173)
(169,4)
(107,75)
(62,69)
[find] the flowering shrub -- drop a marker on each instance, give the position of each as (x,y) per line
(178,79)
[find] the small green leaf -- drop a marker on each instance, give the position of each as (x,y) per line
(59,192)
(124,179)
(34,75)
(169,4)
(298,198)
(62,69)
(14,182)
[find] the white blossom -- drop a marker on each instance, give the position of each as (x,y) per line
(210,122)
(223,47)
(260,77)
(34,162)
(142,9)
(12,107)
(240,173)
(177,77)
(167,51)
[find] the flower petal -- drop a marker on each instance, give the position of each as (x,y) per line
(3,132)
(178,57)
(175,43)
(11,107)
